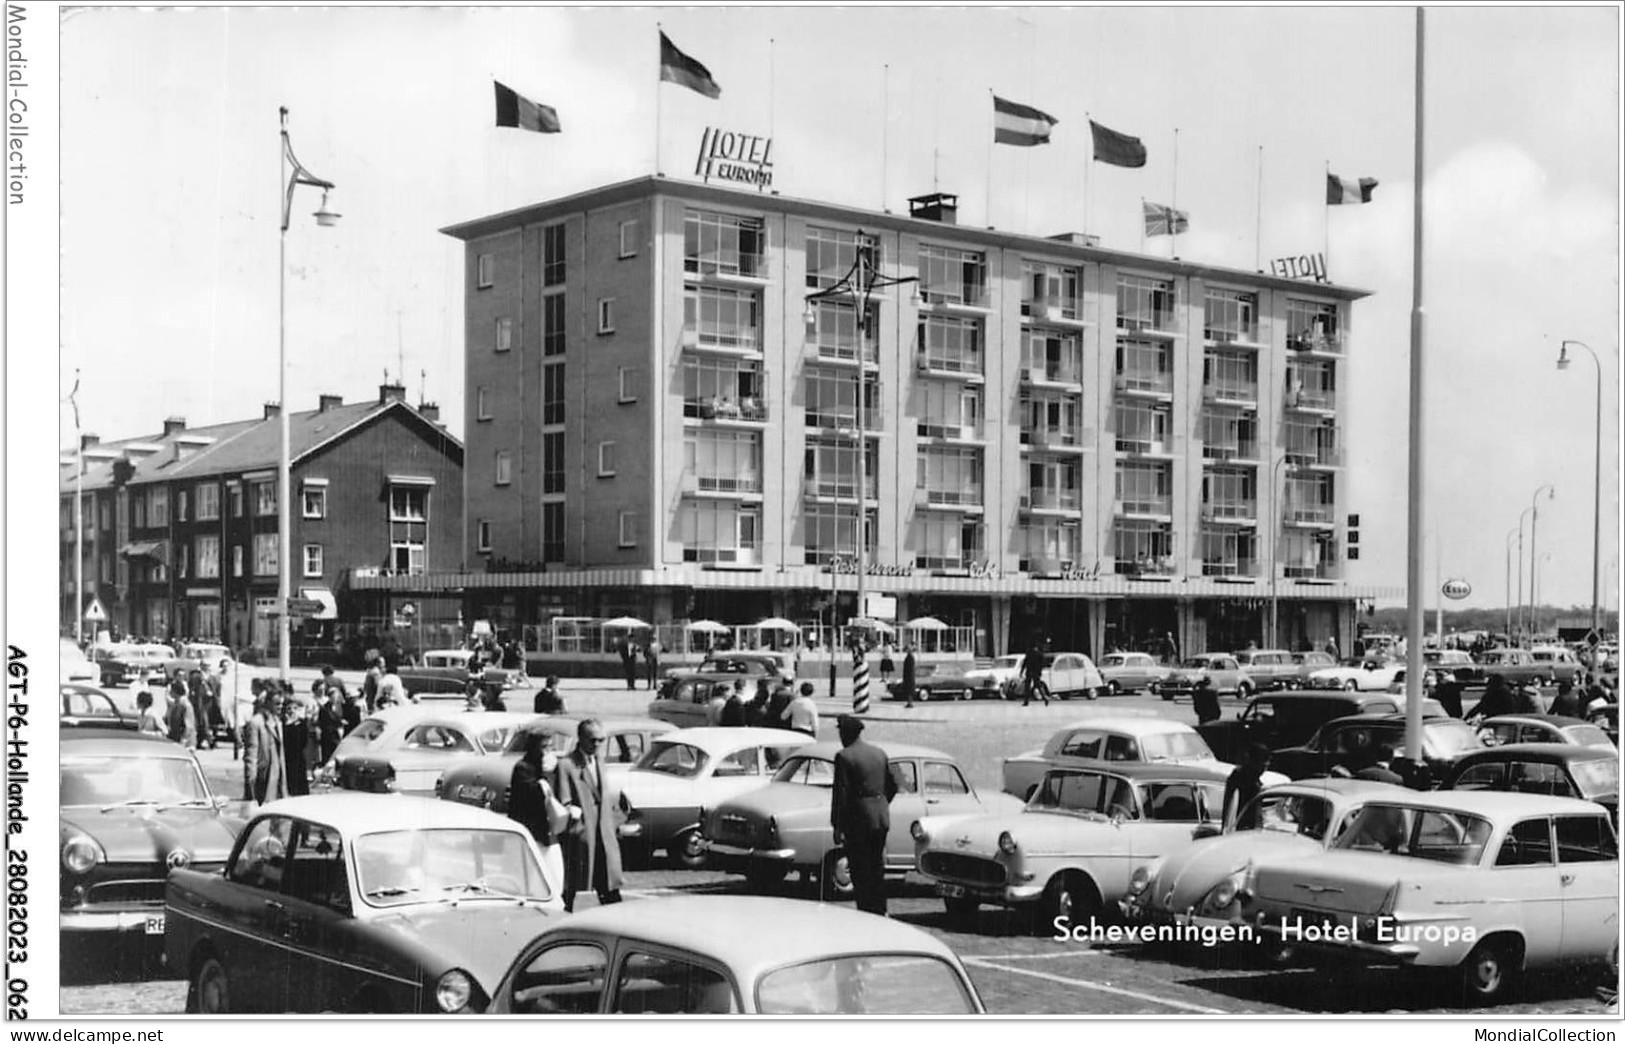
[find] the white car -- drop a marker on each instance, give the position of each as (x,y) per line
(1366,676)
(998,679)
(1065,674)
(76,666)
(411,760)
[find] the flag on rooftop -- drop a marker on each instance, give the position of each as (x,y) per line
(677,67)
(1119,150)
(1348,190)
(1161,220)
(516,110)
(1017,124)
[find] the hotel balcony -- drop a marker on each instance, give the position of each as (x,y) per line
(729,487)
(1064,500)
(953,297)
(1316,344)
(1059,310)
(845,420)
(750,555)
(1240,512)
(1047,565)
(839,488)
(1321,401)
(1148,385)
(739,343)
(957,563)
(1228,393)
(1314,457)
(1054,440)
(730,269)
(748,412)
(953,499)
(1156,323)
(1133,447)
(1068,375)
(927,429)
(1235,567)
(1319,571)
(1146,565)
(840,354)
(1316,516)
(1144,507)
(1252,337)
(952,367)
(1240,450)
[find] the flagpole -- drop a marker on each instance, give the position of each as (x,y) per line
(1326,213)
(988,218)
(1258,216)
(1142,224)
(885,127)
(659,30)
(1173,207)
(762,186)
(1087,163)
(1413,566)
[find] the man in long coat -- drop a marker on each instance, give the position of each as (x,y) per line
(265,772)
(592,850)
(860,812)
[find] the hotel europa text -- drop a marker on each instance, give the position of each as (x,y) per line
(1375,931)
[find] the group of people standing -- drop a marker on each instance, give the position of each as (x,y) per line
(288,736)
(568,807)
(772,706)
(193,714)
(650,650)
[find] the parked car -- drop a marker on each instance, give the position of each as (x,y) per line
(1356,741)
(785,826)
(1219,671)
(215,658)
(411,759)
(1368,675)
(1204,883)
(87,707)
(1287,719)
(1560,664)
(1308,663)
(74,666)
(1454,665)
(483,781)
(1542,728)
(132,663)
(133,807)
(1147,739)
(940,681)
(443,684)
(1066,674)
(1487,884)
(752,664)
(690,701)
(998,678)
(1131,672)
(409,906)
(687,770)
(1559,769)
(1269,669)
(722,955)
(1517,666)
(1067,856)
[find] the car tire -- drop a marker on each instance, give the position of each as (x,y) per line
(1351,686)
(1069,896)
(208,994)
(684,851)
(1244,691)
(1490,972)
(966,694)
(835,877)
(962,909)
(1113,689)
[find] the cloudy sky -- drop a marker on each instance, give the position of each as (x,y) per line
(170,193)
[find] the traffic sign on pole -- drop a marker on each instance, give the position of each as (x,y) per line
(96,614)
(303,607)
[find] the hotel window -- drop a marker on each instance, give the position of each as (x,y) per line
(947,409)
(485,267)
(408,528)
(553,255)
(553,393)
(553,531)
(482,401)
(1230,375)
(722,317)
(1142,548)
(631,232)
(138,502)
(236,560)
(1050,291)
(1308,555)
(1229,552)
(1144,366)
(107,569)
(719,387)
(1144,489)
(724,461)
(1142,428)
(949,276)
(628,527)
(606,315)
(504,334)
(1055,356)
(606,459)
(722,244)
(313,500)
(831,254)
(831,532)
(553,462)
(208,502)
(949,476)
(1229,493)
(234,494)
(1311,324)
(1048,420)
(629,378)
(949,344)
(1144,303)
(1052,485)
(1227,434)
(504,468)
(553,324)
(1229,315)
(265,554)
(945,541)
(1046,543)
(832,399)
(183,560)
(1310,499)
(181,503)
(1311,383)
(106,514)
(483,534)
(264,498)
(833,332)
(159,515)
(719,531)
(313,561)
(1314,442)
(830,469)
(206,553)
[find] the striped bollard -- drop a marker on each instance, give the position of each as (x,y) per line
(860,683)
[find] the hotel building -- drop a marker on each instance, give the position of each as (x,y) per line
(1059,441)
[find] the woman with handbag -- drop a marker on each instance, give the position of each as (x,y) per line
(532,804)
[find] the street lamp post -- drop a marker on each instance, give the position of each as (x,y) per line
(1275,553)
(1534,517)
(1510,533)
(859,284)
(293,175)
(1596,509)
(1521,617)
(78,519)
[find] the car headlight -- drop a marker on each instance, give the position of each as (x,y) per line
(1007,844)
(917,831)
(1222,894)
(1139,880)
(773,828)
(453,990)
(81,852)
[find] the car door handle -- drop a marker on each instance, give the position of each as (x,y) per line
(272,904)
(933,801)
(1567,879)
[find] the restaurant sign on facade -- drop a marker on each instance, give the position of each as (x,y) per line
(846,565)
(730,156)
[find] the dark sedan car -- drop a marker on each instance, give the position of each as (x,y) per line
(1287,719)
(1358,740)
(1563,769)
(936,681)
(87,707)
(133,807)
(1543,728)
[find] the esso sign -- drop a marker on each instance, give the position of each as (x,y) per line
(1456,589)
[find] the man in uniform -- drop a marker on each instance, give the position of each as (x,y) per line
(860,811)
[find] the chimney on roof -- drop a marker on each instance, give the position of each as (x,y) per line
(388,393)
(272,409)
(174,424)
(88,439)
(942,207)
(430,411)
(327,402)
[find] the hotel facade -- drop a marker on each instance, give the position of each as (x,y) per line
(1059,442)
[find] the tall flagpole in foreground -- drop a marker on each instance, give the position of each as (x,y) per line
(1414,607)
(659,55)
(1173,204)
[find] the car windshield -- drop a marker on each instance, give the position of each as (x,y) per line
(401,867)
(1008,661)
(1194,663)
(813,772)
(1303,814)
(110,781)
(1170,746)
(1437,835)
(866,984)
(1083,792)
(1597,778)
(1448,737)
(1587,736)
(674,758)
(562,743)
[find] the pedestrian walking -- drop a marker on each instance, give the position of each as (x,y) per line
(296,737)
(629,663)
(592,853)
(651,662)
(860,812)
(180,721)
(803,713)
(1205,701)
(756,709)
(1242,785)
(372,680)
(778,707)
(548,700)
(265,772)
(1032,676)
(147,719)
(733,709)
(329,725)
(909,676)
(197,692)
(533,803)
(887,667)
(1567,702)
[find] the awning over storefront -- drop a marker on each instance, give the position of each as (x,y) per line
(145,549)
(330,605)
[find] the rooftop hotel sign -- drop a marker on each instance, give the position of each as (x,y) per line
(729,156)
(1304,266)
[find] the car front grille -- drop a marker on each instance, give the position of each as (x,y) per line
(473,794)
(952,866)
(734,829)
(127,891)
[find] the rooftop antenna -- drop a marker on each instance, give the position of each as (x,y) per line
(400,345)
(423,387)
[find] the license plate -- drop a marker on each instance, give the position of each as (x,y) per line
(950,891)
(155,925)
